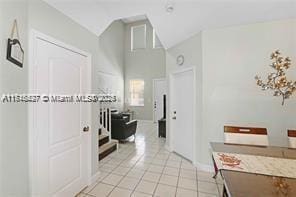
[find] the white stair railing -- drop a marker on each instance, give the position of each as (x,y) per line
(105,118)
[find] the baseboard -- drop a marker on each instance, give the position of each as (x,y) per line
(168,148)
(204,167)
(94,177)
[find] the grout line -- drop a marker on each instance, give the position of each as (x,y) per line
(121,175)
(108,173)
(178,177)
(197,182)
(131,169)
(151,139)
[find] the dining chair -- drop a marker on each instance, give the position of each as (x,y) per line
(292,138)
(243,135)
(246,135)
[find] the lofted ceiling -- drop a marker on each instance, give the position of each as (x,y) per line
(188,17)
(133,19)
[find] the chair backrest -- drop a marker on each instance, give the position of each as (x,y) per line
(292,138)
(246,135)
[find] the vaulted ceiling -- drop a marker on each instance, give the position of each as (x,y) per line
(188,17)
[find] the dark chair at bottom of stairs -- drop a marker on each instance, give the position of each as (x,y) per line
(121,130)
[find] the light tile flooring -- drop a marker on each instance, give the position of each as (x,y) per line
(144,168)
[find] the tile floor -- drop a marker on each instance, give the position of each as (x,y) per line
(144,168)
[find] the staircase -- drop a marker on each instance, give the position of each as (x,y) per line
(106,144)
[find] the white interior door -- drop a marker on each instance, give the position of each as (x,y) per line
(182,113)
(159,89)
(61,147)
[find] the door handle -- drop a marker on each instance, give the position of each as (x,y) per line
(174,117)
(86,129)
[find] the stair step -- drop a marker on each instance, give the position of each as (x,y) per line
(107,149)
(103,139)
(102,136)
(107,146)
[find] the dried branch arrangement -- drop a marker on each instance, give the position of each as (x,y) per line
(277,81)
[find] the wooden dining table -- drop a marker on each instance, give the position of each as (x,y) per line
(243,184)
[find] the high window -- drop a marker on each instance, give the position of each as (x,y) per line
(138,37)
(137,92)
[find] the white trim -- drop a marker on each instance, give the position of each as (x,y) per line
(168,148)
(107,73)
(94,177)
(204,167)
(32,136)
(153,95)
(182,70)
(132,37)
(169,115)
(198,165)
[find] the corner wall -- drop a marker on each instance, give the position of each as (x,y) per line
(231,59)
(46,19)
(106,55)
(14,176)
(111,43)
(146,64)
(36,14)
(228,60)
(191,49)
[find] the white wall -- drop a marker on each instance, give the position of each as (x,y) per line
(192,52)
(112,42)
(230,59)
(147,64)
(13,117)
(106,57)
(105,50)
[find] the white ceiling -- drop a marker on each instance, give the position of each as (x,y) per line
(188,18)
(133,19)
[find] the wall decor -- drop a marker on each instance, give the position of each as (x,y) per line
(277,81)
(180,60)
(15,52)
